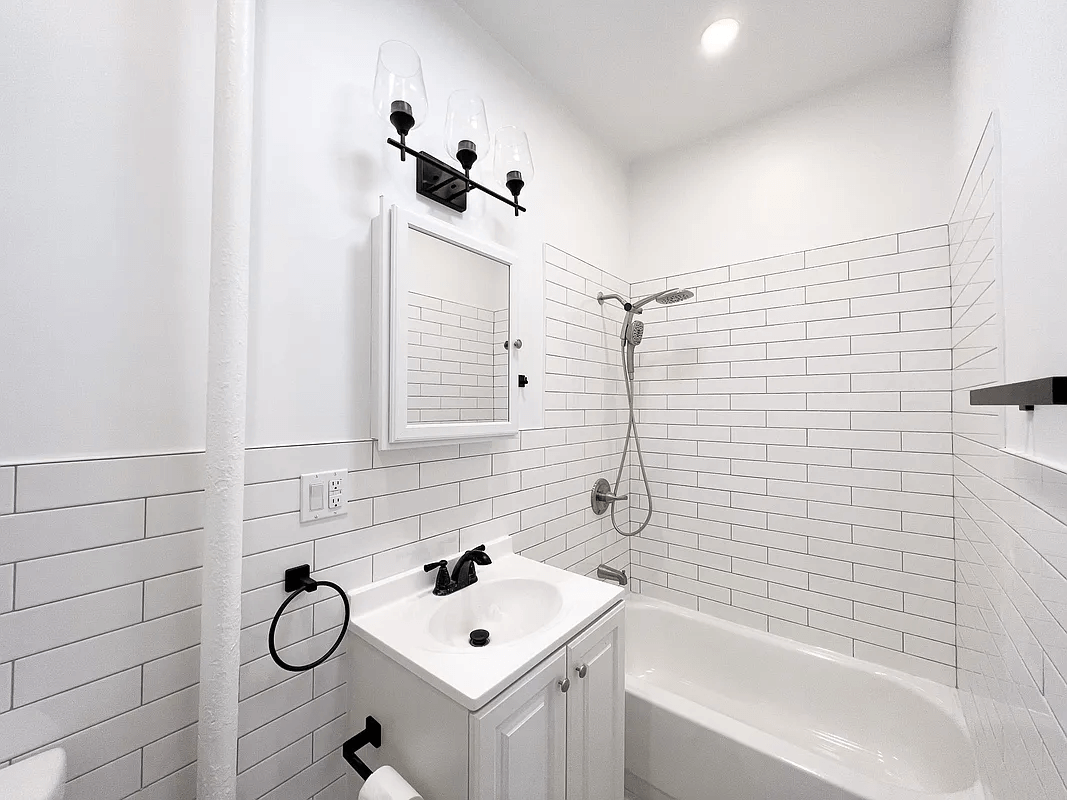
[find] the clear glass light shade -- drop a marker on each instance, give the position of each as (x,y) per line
(513,160)
(399,90)
(466,128)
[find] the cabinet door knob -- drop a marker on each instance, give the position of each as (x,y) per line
(564,684)
(581,669)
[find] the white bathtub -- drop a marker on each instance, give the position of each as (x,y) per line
(717,711)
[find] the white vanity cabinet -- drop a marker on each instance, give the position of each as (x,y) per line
(556,733)
(518,743)
(595,714)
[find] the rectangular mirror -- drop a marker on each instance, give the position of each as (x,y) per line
(444,319)
(457,326)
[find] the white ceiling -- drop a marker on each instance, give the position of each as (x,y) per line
(632,71)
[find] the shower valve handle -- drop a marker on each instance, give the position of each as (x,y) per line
(601,497)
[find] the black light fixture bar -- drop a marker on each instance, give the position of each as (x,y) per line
(1027,394)
(445,176)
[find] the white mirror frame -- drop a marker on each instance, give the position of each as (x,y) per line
(392,231)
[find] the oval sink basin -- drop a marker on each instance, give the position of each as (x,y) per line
(510,609)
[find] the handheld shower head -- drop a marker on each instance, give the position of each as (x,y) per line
(635,333)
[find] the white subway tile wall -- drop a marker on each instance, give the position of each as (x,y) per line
(802,418)
(457,364)
(796,424)
(1011,526)
(100,579)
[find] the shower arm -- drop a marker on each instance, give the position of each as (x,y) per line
(644,302)
(636,308)
(602,297)
(622,301)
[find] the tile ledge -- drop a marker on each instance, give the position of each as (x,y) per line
(1041,462)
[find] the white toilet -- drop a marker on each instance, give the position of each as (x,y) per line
(39,778)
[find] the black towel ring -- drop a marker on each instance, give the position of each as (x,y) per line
(299,578)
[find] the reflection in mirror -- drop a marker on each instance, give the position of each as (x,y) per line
(457,327)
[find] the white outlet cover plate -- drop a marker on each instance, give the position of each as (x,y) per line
(323,479)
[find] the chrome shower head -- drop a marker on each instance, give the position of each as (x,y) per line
(673,296)
(666,298)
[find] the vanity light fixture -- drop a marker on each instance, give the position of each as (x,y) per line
(400,99)
(466,129)
(399,90)
(513,165)
(718,36)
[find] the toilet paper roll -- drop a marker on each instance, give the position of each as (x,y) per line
(385,783)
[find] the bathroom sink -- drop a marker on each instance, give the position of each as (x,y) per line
(530,610)
(510,609)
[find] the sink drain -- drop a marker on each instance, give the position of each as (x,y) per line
(479,637)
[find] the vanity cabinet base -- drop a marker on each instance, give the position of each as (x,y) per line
(553,734)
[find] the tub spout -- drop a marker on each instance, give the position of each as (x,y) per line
(604,572)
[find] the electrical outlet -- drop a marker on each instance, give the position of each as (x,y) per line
(322,495)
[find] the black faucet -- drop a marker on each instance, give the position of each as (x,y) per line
(463,574)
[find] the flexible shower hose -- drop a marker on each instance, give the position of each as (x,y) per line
(631,427)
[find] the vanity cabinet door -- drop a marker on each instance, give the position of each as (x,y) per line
(595,711)
(518,744)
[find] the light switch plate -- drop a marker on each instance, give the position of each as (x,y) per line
(322,495)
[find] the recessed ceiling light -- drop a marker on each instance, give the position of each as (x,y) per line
(719,36)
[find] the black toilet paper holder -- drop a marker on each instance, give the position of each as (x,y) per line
(372,735)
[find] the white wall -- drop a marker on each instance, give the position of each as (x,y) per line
(106,163)
(105,171)
(846,165)
(1009,57)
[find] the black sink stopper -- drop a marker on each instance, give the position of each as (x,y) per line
(479,637)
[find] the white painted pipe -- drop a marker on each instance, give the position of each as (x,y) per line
(227,380)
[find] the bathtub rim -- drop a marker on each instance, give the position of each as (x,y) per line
(944,698)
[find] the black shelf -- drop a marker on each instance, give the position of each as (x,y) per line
(1025,395)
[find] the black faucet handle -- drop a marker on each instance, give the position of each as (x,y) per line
(443,584)
(480,547)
